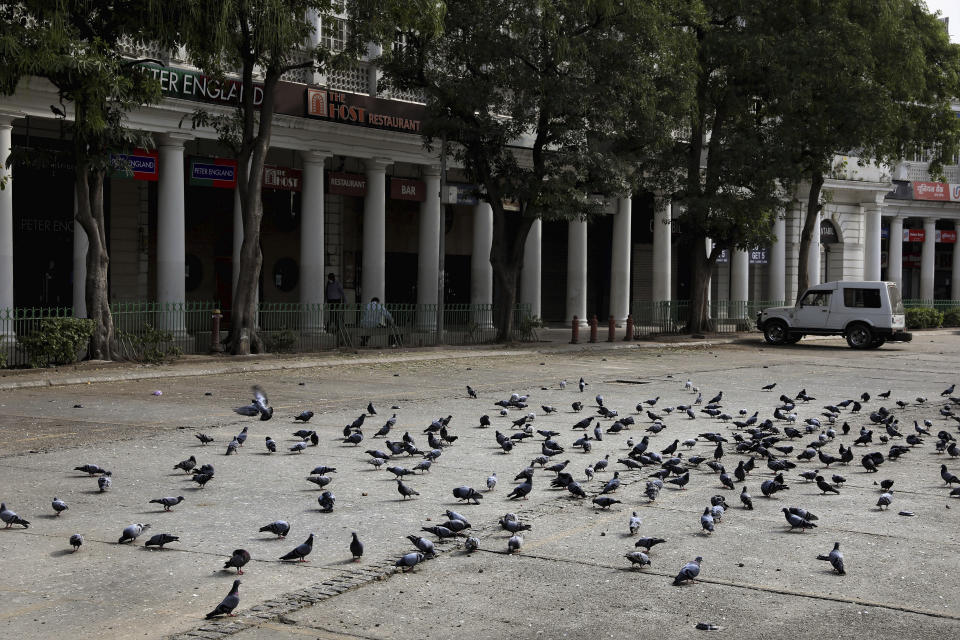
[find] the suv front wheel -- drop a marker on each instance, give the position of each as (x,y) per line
(775,332)
(859,336)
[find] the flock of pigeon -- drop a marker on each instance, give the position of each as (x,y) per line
(781,443)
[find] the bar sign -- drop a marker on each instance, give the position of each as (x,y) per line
(220,173)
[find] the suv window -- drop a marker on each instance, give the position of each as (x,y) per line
(816,299)
(861,298)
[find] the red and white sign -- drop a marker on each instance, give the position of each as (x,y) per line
(347,184)
(403,189)
(936,191)
(282,178)
(946,237)
(917,235)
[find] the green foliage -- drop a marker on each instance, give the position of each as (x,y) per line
(951,317)
(923,318)
(284,341)
(57,341)
(150,345)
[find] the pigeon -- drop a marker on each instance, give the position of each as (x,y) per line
(232,446)
(409,561)
(303,416)
(299,447)
(132,532)
(521,490)
(320,481)
(76,541)
(835,558)
(10,518)
(582,384)
(356,547)
(271,445)
(706,521)
(167,502)
(471,544)
(514,543)
(59,505)
(796,521)
(948,477)
(768,387)
(577,406)
(637,559)
(605,502)
(226,607)
(884,500)
(301,551)
(354,438)
(187,465)
(492,481)
(90,469)
(203,438)
(241,437)
(680,481)
(825,487)
(238,559)
(746,499)
(468,494)
(104,482)
(471,392)
(689,572)
(634,523)
(612,484)
(370,409)
(278,527)
(326,501)
(423,545)
(405,490)
(202,479)
(161,539)
(259,405)
(949,390)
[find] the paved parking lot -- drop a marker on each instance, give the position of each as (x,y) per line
(570,578)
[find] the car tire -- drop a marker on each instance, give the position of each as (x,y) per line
(794,338)
(775,332)
(878,342)
(859,336)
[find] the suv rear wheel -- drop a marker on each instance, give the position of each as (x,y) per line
(859,336)
(775,332)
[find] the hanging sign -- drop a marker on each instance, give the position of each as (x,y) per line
(347,184)
(403,189)
(139,165)
(220,173)
(758,256)
(282,178)
(723,257)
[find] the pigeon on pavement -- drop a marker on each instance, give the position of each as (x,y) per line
(835,558)
(238,560)
(226,607)
(356,547)
(301,551)
(10,518)
(132,532)
(278,527)
(689,572)
(161,539)
(167,502)
(76,541)
(59,505)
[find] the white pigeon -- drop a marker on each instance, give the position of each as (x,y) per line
(563,385)
(492,481)
(688,385)
(514,543)
(634,523)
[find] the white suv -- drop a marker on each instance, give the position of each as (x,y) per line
(867,313)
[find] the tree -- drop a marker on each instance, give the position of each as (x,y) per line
(876,79)
(264,38)
(721,170)
(546,104)
(76,45)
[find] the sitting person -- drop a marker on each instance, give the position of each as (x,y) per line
(375,315)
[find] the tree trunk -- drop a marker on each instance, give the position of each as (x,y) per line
(506,257)
(701,266)
(89,191)
(806,235)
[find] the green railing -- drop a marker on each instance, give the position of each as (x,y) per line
(939,305)
(670,317)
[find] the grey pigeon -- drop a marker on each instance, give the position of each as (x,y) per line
(241,437)
(167,502)
(746,499)
(795,521)
(521,490)
(706,521)
(203,438)
(468,494)
(301,551)
(232,446)
(90,469)
(514,543)
(132,532)
(471,544)
(422,544)
(304,416)
(10,518)
(405,490)
(187,465)
(613,484)
(513,525)
(279,527)
(161,539)
(634,523)
(271,444)
(409,561)
(689,572)
(835,558)
(226,607)
(76,541)
(637,559)
(884,500)
(605,502)
(492,481)
(648,542)
(356,547)
(326,501)
(104,483)
(238,560)
(59,505)
(299,447)
(320,481)
(202,479)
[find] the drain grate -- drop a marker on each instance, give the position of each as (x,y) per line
(628,382)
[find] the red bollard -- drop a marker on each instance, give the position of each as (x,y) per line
(593,328)
(215,346)
(629,335)
(575,331)
(611,329)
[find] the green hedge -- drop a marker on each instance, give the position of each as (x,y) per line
(57,341)
(951,317)
(924,318)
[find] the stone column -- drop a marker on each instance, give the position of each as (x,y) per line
(577,270)
(895,253)
(481,271)
(80,244)
(813,264)
(927,258)
(662,241)
(871,240)
(955,272)
(312,251)
(6,228)
(531,270)
(373,278)
(778,262)
(739,283)
(171,247)
(620,262)
(428,249)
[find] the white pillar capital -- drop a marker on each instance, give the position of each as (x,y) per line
(315,156)
(173,140)
(377,164)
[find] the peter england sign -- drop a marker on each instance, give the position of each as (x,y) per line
(363,111)
(189,85)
